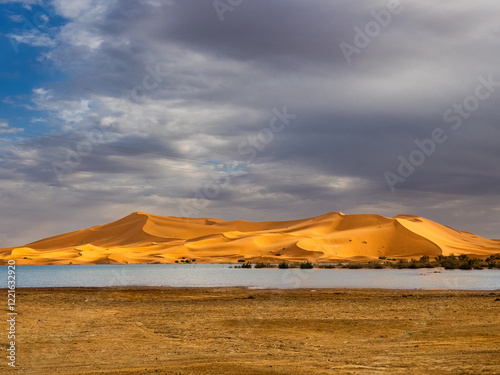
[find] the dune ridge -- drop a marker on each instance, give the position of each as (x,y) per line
(145,238)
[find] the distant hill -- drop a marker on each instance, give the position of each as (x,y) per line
(144,238)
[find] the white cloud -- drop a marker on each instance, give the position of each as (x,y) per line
(34,38)
(75,35)
(70,111)
(42,94)
(73,8)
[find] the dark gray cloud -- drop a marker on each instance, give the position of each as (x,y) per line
(185,103)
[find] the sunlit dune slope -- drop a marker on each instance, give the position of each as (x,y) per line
(145,238)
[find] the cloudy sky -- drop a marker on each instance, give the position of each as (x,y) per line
(247,109)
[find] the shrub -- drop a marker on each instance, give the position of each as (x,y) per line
(262,265)
(424,259)
(493,257)
(283,265)
(449,265)
(306,265)
(424,262)
(450,262)
(353,265)
(382,258)
(414,264)
(439,259)
(176,261)
(241,260)
(477,264)
(402,263)
(327,266)
(465,266)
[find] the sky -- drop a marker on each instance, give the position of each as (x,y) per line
(255,110)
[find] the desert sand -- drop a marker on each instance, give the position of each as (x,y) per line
(145,238)
(241,331)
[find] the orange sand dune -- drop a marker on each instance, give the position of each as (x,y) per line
(145,238)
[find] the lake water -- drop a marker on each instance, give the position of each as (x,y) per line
(217,275)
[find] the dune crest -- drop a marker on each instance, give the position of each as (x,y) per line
(144,238)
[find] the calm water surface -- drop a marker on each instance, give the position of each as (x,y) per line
(216,275)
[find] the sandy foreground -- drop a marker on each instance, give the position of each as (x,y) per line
(245,331)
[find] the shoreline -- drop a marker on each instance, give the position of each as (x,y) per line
(197,289)
(450,262)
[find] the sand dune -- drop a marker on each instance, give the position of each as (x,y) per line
(144,238)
